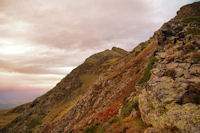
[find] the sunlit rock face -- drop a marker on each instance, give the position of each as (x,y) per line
(153,88)
(171,98)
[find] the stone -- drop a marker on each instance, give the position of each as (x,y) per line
(181,35)
(195,69)
(133,114)
(151,130)
(187,75)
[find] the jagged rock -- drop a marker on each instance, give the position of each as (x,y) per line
(181,35)
(195,69)
(169,101)
(188,11)
(187,75)
(106,85)
(173,100)
(151,130)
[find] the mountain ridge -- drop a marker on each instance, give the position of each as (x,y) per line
(153,88)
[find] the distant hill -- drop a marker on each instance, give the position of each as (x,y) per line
(13,98)
(5,106)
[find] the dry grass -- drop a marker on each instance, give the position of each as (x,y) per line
(118,126)
(6,117)
(192,19)
(170,73)
(196,57)
(64,111)
(58,111)
(135,122)
(63,107)
(88,80)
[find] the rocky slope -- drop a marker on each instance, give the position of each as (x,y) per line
(154,88)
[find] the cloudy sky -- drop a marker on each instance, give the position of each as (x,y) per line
(43,40)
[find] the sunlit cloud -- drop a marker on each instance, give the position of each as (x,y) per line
(8,47)
(41,41)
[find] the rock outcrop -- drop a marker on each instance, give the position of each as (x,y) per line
(171,98)
(155,88)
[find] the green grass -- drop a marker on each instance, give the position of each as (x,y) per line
(194,31)
(128,107)
(28,131)
(136,122)
(192,19)
(107,124)
(197,99)
(137,53)
(33,123)
(113,120)
(147,72)
(6,117)
(125,100)
(91,129)
(138,70)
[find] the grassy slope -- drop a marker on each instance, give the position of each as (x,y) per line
(6,117)
(62,107)
(87,78)
(111,112)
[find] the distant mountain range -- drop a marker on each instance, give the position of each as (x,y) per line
(13,98)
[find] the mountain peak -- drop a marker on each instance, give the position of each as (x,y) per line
(153,88)
(104,55)
(190,10)
(119,50)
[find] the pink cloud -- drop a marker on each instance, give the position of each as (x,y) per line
(57,35)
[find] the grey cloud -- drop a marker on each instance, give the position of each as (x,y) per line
(66,32)
(83,25)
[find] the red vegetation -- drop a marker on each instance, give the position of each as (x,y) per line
(109,112)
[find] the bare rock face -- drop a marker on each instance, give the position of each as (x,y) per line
(151,130)
(43,110)
(171,98)
(189,11)
(155,88)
